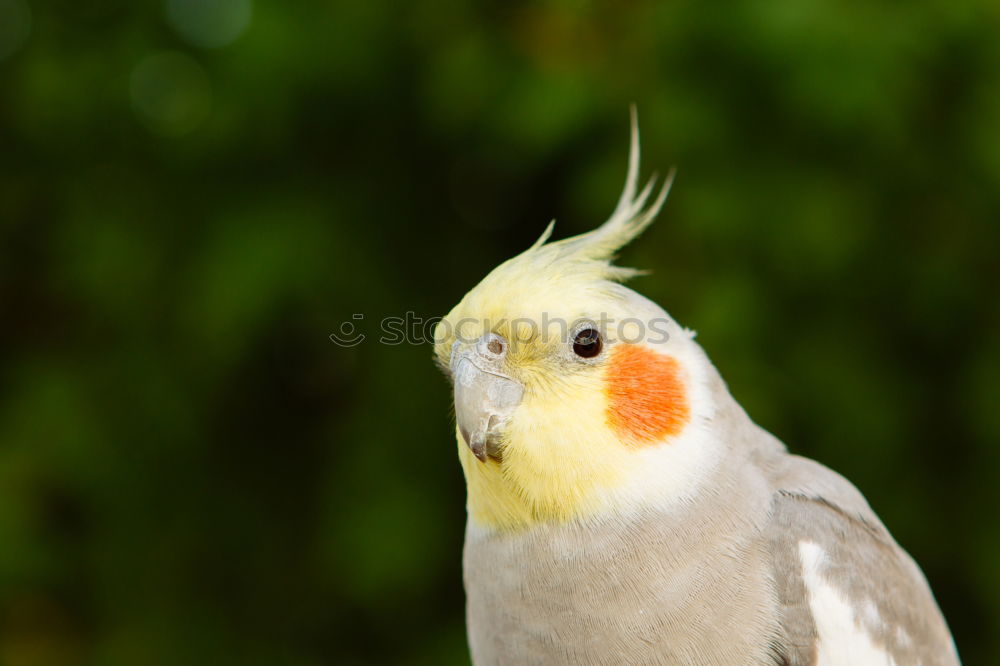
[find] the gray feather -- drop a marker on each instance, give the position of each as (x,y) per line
(718,581)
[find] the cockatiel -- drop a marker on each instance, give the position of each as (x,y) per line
(624,509)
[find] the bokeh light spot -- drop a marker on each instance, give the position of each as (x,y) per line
(171,93)
(209,23)
(15,26)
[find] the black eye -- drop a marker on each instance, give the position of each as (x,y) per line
(587,343)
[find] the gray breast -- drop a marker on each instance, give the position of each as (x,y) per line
(651,591)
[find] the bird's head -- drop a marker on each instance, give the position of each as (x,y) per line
(574,395)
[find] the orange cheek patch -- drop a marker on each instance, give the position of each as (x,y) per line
(646,396)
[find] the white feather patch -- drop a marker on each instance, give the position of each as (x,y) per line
(843,640)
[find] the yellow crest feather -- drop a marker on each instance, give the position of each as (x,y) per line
(593,252)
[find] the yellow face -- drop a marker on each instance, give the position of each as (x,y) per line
(596,385)
(572,393)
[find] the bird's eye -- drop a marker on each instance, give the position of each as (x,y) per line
(587,343)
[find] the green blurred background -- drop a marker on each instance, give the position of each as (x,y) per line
(195,193)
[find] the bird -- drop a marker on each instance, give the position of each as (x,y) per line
(622,506)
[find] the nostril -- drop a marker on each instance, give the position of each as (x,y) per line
(492,346)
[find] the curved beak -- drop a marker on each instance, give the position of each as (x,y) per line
(485,397)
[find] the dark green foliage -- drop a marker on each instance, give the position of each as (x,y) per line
(191,472)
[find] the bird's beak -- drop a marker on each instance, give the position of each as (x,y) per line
(485,396)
